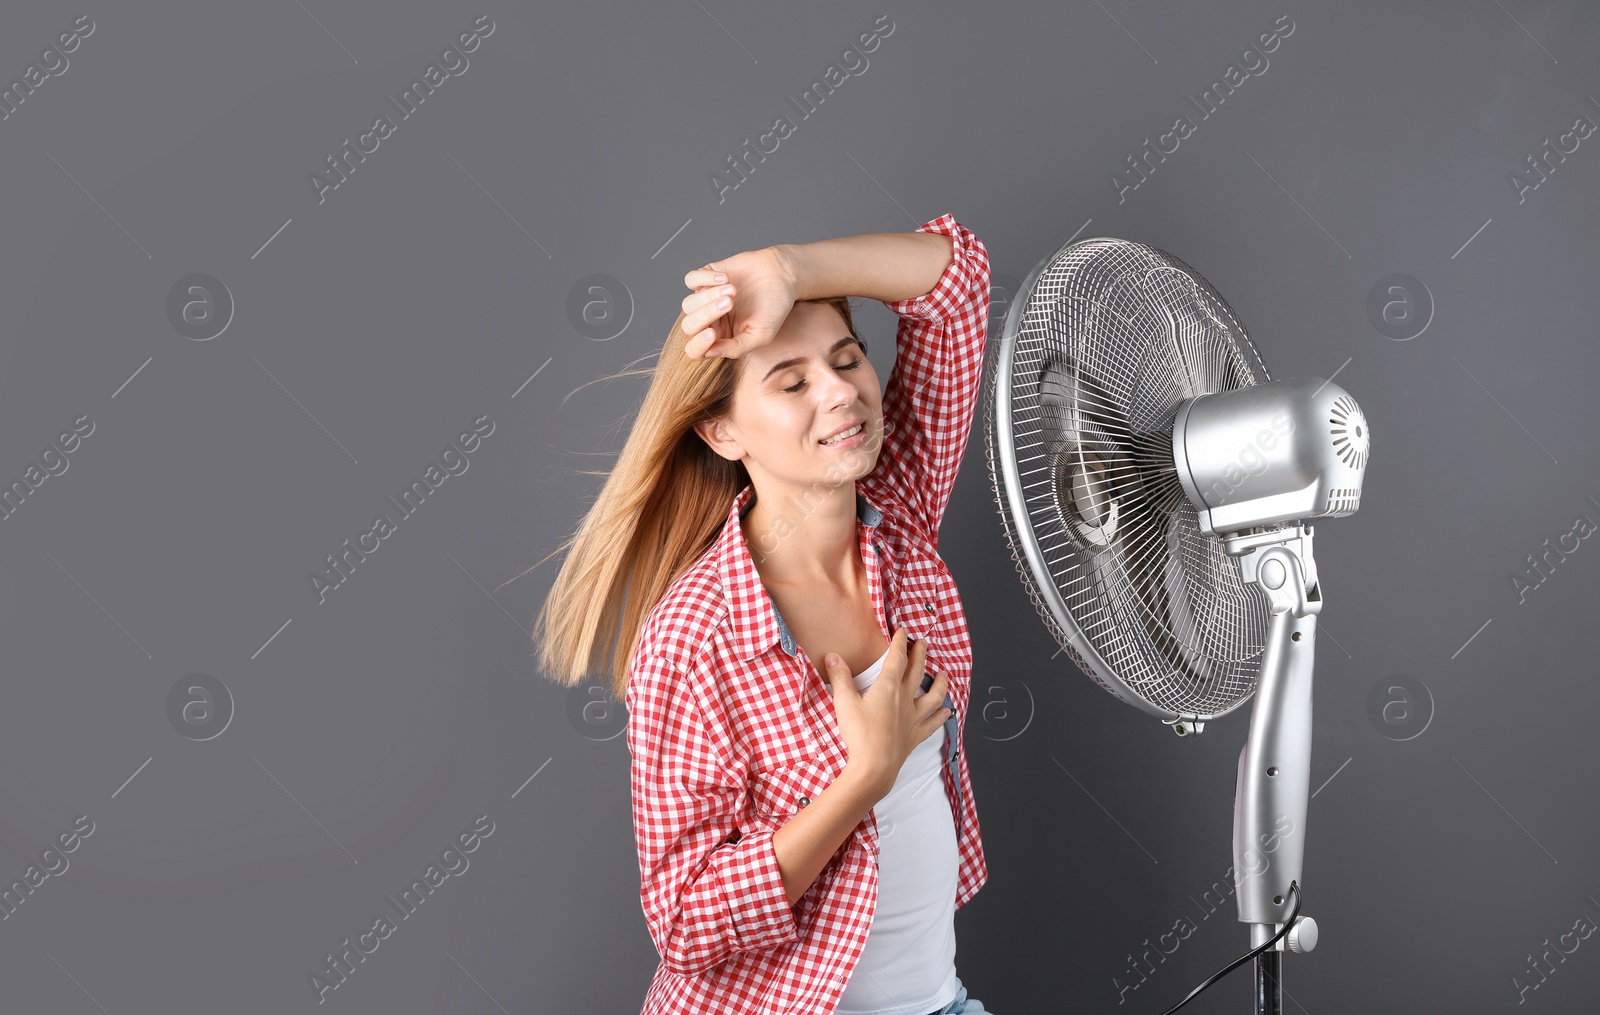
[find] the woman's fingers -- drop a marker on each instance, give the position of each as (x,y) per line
(937,692)
(708,343)
(706,297)
(697,332)
(702,336)
(701,311)
(702,346)
(703,277)
(915,658)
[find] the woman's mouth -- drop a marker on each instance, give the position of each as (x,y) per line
(848,439)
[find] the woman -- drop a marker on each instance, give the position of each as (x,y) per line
(763,562)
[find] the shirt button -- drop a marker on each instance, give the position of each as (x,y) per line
(804,800)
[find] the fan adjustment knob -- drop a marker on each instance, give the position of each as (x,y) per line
(1302,937)
(1272,573)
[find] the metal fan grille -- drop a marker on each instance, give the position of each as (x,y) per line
(1104,345)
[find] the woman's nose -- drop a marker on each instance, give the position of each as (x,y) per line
(838,390)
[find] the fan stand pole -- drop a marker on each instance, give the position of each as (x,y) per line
(1270,802)
(1269,982)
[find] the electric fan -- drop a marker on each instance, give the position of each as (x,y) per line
(1155,485)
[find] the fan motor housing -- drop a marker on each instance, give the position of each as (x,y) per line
(1278,451)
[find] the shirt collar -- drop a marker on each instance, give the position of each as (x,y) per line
(755,619)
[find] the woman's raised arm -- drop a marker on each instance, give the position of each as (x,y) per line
(879,266)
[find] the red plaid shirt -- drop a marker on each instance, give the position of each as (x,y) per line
(731,729)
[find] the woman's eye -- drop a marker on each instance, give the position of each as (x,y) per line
(848,366)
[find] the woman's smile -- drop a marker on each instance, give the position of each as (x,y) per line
(846,438)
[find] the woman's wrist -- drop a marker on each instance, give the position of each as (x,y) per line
(868,782)
(789,258)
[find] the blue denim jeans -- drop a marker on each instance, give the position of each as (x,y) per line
(962,1003)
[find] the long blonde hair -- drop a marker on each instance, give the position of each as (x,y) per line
(660,508)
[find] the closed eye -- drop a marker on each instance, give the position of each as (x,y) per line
(802,382)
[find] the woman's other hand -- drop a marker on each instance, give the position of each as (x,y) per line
(738,303)
(882,725)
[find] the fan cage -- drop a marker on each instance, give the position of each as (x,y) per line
(1106,340)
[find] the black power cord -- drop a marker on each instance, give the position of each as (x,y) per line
(1294,886)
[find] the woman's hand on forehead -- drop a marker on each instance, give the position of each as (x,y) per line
(738,303)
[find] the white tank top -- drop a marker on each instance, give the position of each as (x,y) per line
(908,965)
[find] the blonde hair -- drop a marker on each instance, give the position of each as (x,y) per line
(660,508)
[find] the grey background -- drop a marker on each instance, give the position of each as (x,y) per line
(431,288)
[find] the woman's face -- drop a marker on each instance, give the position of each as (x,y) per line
(812,379)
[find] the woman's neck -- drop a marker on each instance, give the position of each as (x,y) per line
(816,550)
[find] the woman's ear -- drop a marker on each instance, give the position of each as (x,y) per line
(716,436)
